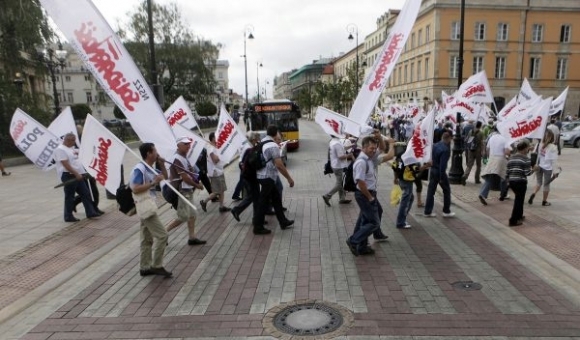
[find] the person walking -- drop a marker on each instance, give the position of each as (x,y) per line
(553,126)
(518,169)
(365,177)
(405,176)
(438,177)
(498,150)
(267,179)
(152,234)
(250,183)
(474,142)
(182,177)
(215,171)
(547,158)
(338,162)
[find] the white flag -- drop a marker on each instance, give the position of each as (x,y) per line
(376,80)
(63,124)
(35,141)
(467,108)
(179,113)
(507,109)
(197,143)
(526,92)
(420,145)
(228,137)
(101,153)
(108,60)
(528,122)
(334,124)
(558,103)
(476,89)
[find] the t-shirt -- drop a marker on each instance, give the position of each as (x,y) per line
(64,153)
(497,145)
(270,151)
(364,168)
(175,172)
(214,169)
(547,156)
(337,150)
(141,174)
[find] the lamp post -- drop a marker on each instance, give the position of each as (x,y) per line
(258,65)
(247,35)
(352,28)
(53,59)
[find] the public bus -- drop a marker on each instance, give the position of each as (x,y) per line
(283,113)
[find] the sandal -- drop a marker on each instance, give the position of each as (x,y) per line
(420,205)
(531,200)
(546,204)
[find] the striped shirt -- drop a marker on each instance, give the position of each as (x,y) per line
(518,168)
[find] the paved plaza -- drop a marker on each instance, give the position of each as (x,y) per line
(81,281)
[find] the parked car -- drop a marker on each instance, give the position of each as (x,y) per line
(112,122)
(569,126)
(571,137)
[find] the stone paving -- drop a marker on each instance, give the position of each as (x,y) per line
(81,281)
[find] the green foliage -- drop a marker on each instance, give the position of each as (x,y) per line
(80,111)
(205,108)
(118,113)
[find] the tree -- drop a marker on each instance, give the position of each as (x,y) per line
(80,111)
(185,61)
(205,108)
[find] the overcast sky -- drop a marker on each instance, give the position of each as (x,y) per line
(287,33)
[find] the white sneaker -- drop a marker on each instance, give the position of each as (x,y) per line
(451,214)
(430,215)
(407,226)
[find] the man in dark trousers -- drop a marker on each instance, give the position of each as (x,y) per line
(438,176)
(473,146)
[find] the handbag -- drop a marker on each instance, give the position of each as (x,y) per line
(146,206)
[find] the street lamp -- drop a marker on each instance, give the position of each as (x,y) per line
(53,59)
(352,28)
(258,65)
(247,35)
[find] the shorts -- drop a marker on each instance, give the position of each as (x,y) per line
(218,184)
(184,211)
(543,177)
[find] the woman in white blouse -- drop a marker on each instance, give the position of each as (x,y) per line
(547,157)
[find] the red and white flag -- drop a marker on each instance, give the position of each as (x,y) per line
(376,80)
(180,113)
(228,136)
(101,153)
(108,60)
(558,103)
(526,92)
(528,121)
(420,145)
(63,124)
(507,109)
(34,140)
(476,89)
(334,124)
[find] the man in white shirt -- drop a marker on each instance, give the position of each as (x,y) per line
(338,162)
(498,151)
(215,172)
(70,170)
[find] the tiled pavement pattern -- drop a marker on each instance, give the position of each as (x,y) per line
(222,290)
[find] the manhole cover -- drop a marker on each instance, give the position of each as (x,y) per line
(304,319)
(466,285)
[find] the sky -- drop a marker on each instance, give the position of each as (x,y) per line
(287,33)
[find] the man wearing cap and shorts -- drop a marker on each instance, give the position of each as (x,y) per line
(215,172)
(338,162)
(182,175)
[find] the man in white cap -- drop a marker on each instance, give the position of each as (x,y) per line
(183,176)
(338,162)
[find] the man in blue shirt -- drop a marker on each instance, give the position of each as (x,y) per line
(438,176)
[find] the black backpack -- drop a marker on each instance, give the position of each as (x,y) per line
(348,183)
(253,160)
(170,196)
(125,200)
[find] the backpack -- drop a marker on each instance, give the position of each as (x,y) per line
(471,141)
(327,166)
(402,171)
(170,196)
(348,183)
(254,160)
(125,200)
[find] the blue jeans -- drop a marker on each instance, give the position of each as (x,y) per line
(406,202)
(79,187)
(487,180)
(435,179)
(368,222)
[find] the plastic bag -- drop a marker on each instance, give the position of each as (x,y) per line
(396,194)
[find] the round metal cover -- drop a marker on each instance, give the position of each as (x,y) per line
(467,285)
(304,319)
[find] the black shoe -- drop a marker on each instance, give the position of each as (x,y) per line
(531,200)
(482,200)
(367,251)
(236,198)
(74,219)
(352,248)
(546,204)
(265,222)
(195,242)
(286,224)
(225,209)
(100,212)
(284,209)
(94,215)
(519,222)
(270,213)
(502,198)
(4,173)
(145,272)
(344,201)
(203,205)
(381,237)
(262,231)
(326,200)
(161,272)
(463,181)
(236,215)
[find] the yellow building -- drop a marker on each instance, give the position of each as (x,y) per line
(510,40)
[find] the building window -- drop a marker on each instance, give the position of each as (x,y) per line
(420,38)
(455,30)
(412,72)
(427,75)
(534,68)
(405,75)
(453,67)
(499,67)
(412,40)
(479,31)
(220,75)
(399,80)
(565,33)
(537,32)
(477,64)
(427,33)
(87,77)
(89,97)
(67,79)
(502,32)
(561,68)
(418,69)
(70,97)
